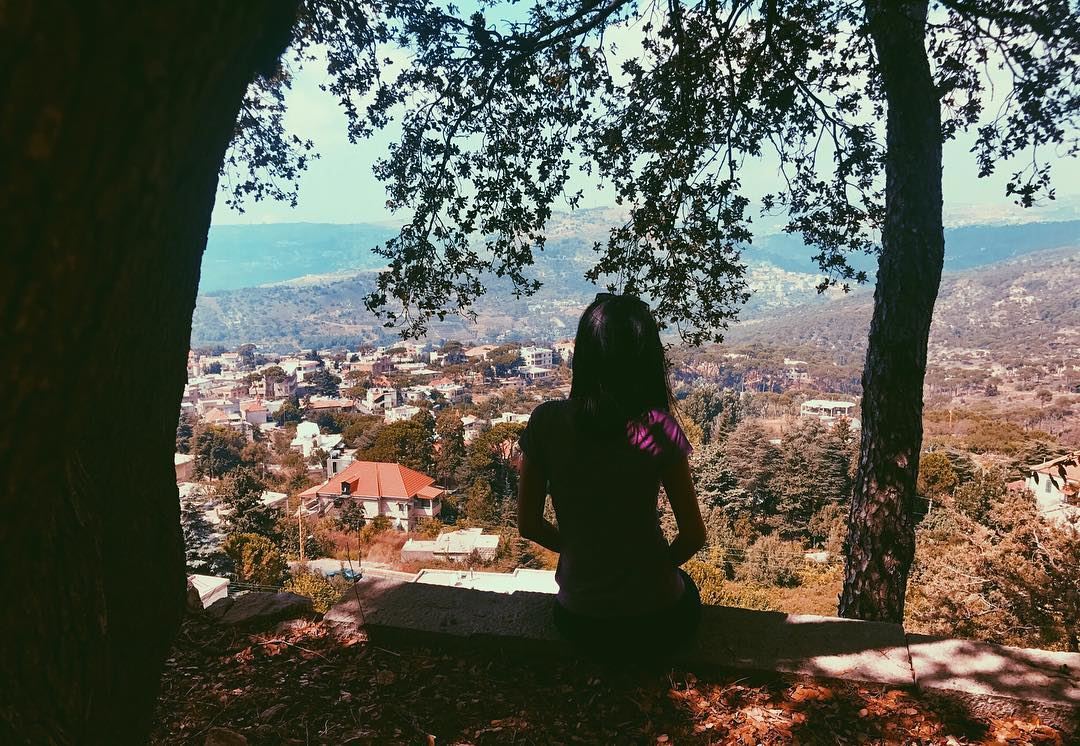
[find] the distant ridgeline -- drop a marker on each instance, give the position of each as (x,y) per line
(240,256)
(314,277)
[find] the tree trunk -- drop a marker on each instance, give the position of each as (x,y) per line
(881,536)
(113,124)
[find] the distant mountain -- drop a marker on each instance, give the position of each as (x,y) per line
(240,256)
(965,246)
(1027,306)
(314,277)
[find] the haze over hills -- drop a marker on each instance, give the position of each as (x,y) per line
(240,256)
(1022,306)
(320,274)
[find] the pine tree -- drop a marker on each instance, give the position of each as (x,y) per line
(755,462)
(451,454)
(242,492)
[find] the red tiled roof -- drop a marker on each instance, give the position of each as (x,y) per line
(374,479)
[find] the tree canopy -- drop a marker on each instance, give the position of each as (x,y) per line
(506,112)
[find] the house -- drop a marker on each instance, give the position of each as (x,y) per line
(397,414)
(254,412)
(418,393)
(565,352)
(381,398)
(826,409)
(536,373)
(403,495)
(1056,486)
(537,357)
(185,467)
(224,405)
(215,416)
(796,370)
(339,459)
(317,404)
(473,427)
(417,350)
(479,352)
(455,546)
(376,365)
(296,367)
(511,417)
(310,439)
(453,393)
(274,500)
(277,387)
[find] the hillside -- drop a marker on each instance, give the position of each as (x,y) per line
(1026,306)
(312,280)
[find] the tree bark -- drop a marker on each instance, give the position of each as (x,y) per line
(881,536)
(113,124)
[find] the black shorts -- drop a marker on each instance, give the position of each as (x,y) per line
(658,633)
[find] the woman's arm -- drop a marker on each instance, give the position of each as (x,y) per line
(532,493)
(680,492)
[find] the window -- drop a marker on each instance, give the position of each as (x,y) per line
(1048,481)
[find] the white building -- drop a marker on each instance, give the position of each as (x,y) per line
(397,414)
(826,409)
(418,393)
(511,417)
(254,412)
(381,398)
(417,350)
(536,373)
(455,546)
(473,427)
(454,393)
(565,351)
(538,357)
(796,370)
(309,439)
(274,500)
(1056,486)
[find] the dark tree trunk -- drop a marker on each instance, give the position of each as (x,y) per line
(881,535)
(114,118)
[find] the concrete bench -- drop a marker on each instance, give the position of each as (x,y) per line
(991,680)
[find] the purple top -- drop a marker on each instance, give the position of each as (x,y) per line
(614,559)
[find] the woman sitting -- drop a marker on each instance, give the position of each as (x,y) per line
(602,455)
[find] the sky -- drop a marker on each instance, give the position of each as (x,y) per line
(339,187)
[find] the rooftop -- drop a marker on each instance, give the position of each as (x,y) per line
(374,479)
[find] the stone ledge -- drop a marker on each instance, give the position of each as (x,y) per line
(997,680)
(989,679)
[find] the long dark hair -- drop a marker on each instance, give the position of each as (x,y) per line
(620,372)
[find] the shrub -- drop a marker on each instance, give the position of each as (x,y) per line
(322,592)
(717,590)
(770,561)
(255,559)
(429,527)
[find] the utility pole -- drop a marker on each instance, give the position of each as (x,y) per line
(300,523)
